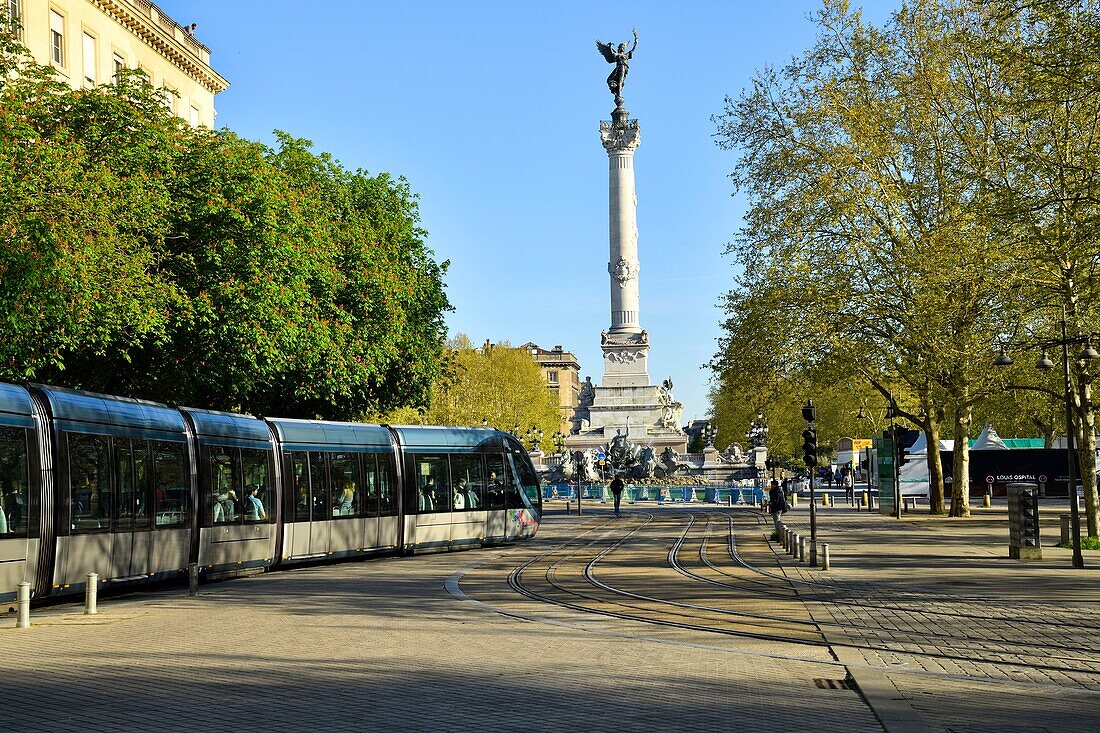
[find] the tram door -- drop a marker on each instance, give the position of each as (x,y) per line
(321,503)
(496,479)
(468,520)
(432,481)
(131,543)
(369,506)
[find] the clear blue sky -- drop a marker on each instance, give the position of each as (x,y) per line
(491,110)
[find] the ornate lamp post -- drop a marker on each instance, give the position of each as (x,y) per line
(757,437)
(1045,363)
(559,441)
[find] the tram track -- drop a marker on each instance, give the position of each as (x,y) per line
(574,591)
(580,575)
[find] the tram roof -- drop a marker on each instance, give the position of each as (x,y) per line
(16,407)
(422,436)
(322,435)
(228,428)
(79,411)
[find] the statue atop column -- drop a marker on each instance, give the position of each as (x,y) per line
(621,58)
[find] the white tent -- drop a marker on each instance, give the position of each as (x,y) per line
(988,440)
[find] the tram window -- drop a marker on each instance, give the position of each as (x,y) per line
(433,483)
(223,467)
(387,499)
(469,482)
(528,481)
(370,486)
(133,508)
(258,498)
(171,485)
(13,482)
(318,481)
(89,483)
(494,482)
(512,498)
(300,467)
(346,484)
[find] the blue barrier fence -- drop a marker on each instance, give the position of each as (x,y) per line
(658,494)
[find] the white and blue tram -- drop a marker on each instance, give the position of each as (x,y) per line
(136,491)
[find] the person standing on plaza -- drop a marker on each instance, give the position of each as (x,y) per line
(617,492)
(777,503)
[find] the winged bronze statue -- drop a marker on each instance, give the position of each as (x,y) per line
(621,58)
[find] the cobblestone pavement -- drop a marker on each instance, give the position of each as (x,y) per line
(383,646)
(936,630)
(968,639)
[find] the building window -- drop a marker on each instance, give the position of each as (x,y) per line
(194,119)
(13,18)
(553,377)
(89,60)
(117,64)
(166,98)
(57,38)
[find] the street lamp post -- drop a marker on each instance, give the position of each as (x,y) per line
(1045,362)
(757,436)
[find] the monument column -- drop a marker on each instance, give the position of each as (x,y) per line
(625,345)
(621,138)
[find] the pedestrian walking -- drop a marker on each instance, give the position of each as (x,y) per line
(617,492)
(777,503)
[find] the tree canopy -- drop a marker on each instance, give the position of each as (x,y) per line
(495,383)
(919,194)
(141,256)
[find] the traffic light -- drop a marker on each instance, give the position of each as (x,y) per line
(809,447)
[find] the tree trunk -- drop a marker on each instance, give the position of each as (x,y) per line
(935,467)
(1085,428)
(960,486)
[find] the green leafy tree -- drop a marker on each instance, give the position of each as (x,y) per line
(140,256)
(495,383)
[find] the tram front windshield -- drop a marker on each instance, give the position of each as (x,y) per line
(528,482)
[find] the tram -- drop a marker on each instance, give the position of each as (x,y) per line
(136,491)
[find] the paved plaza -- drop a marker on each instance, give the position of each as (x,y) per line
(671,618)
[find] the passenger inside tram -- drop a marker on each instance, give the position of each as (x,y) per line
(225,507)
(345,498)
(428,497)
(465,498)
(256,511)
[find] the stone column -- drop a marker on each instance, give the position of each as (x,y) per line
(625,345)
(621,138)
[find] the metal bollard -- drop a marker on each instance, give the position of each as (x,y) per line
(795,539)
(91,589)
(23,596)
(987,501)
(824,555)
(193,578)
(802,549)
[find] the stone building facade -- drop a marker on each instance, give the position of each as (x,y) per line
(88,41)
(562,373)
